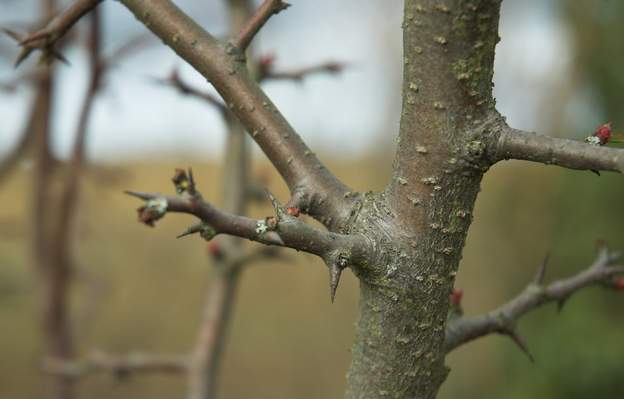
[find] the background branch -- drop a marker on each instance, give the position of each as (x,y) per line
(119,366)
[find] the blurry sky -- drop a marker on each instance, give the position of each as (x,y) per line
(337,115)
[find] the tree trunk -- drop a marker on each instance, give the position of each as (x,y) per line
(420,223)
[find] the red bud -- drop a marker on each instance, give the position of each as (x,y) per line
(456,296)
(603,132)
(214,249)
(293,211)
(618,284)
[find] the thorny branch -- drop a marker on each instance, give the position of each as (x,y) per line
(301,73)
(175,80)
(518,144)
(267,9)
(315,190)
(119,366)
(46,38)
(503,320)
(283,229)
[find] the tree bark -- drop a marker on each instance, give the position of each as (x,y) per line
(421,221)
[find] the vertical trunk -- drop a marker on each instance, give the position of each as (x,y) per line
(207,354)
(421,221)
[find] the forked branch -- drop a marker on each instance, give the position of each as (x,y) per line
(504,319)
(46,38)
(283,229)
(573,154)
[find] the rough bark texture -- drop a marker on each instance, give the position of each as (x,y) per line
(420,223)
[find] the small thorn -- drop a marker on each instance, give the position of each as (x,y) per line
(334,278)
(60,57)
(541,272)
(513,333)
(23,54)
(140,195)
(12,34)
(196,228)
(561,303)
(191,187)
(595,171)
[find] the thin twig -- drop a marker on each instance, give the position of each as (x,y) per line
(175,80)
(257,21)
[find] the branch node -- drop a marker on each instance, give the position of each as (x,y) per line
(153,210)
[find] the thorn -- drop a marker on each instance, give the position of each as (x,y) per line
(334,278)
(191,187)
(60,57)
(12,34)
(561,303)
(595,171)
(515,336)
(140,195)
(541,272)
(196,228)
(23,54)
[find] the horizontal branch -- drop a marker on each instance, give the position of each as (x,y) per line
(118,366)
(504,319)
(301,73)
(282,230)
(518,144)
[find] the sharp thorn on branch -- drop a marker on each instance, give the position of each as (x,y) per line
(541,271)
(334,278)
(191,186)
(196,228)
(521,343)
(140,195)
(561,303)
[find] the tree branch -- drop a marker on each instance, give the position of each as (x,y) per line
(281,230)
(318,192)
(301,73)
(46,38)
(174,80)
(119,366)
(257,21)
(518,144)
(504,319)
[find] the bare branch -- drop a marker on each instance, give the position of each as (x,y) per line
(174,80)
(282,230)
(319,191)
(518,144)
(46,38)
(119,366)
(301,73)
(504,319)
(257,21)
